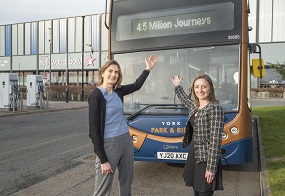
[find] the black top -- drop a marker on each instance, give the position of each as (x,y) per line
(97,113)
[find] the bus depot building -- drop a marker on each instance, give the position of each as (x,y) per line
(64,51)
(67,51)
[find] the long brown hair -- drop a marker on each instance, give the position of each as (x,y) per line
(104,68)
(212,97)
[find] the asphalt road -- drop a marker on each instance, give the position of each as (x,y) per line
(37,146)
(268,102)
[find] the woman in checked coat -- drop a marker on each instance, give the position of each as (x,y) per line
(203,169)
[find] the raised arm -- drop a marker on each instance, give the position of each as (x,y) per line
(183,97)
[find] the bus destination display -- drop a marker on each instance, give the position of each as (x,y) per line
(175,22)
(178,21)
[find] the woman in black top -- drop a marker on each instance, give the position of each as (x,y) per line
(108,128)
(203,167)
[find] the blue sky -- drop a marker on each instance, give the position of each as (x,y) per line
(18,11)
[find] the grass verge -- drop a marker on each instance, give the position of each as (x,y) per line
(272,123)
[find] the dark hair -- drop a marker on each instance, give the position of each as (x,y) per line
(104,68)
(212,97)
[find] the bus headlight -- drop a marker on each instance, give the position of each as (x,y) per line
(234,130)
(134,138)
(224,135)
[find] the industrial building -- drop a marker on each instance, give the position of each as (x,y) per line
(61,49)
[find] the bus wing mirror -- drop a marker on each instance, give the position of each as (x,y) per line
(258,68)
(106,25)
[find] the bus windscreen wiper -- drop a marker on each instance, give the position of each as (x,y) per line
(158,106)
(138,112)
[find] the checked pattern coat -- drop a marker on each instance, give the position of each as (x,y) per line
(209,124)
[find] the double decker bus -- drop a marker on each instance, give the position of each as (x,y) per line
(190,37)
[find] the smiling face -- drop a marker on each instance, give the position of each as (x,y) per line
(110,75)
(202,89)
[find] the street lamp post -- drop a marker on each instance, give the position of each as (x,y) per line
(44,67)
(50,50)
(20,73)
(82,59)
(44,63)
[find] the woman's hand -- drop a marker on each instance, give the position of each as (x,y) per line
(209,176)
(176,80)
(150,61)
(106,168)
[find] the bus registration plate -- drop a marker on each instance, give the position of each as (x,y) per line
(172,155)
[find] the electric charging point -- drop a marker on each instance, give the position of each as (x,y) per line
(35,90)
(8,89)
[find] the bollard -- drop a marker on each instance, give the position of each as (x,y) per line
(66,94)
(41,100)
(13,101)
(47,100)
(21,101)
